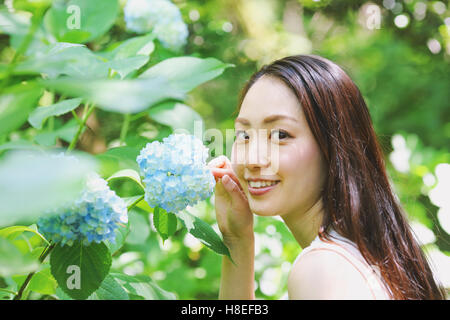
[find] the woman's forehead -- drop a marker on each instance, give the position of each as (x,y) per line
(270,96)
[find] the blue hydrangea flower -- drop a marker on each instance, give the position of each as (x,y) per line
(175,172)
(94,216)
(160,16)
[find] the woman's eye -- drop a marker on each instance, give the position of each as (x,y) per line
(241,135)
(279,134)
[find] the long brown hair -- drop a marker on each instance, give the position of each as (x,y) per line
(357,196)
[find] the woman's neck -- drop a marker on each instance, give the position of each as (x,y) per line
(305,225)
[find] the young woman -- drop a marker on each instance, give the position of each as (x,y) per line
(306,150)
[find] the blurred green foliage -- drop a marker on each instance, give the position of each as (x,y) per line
(397,52)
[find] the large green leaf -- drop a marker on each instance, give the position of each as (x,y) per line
(13,232)
(139,228)
(16,103)
(124,156)
(127,65)
(136,46)
(34,183)
(78,264)
(65,59)
(203,231)
(164,222)
(20,145)
(12,23)
(66,133)
(38,116)
(169,79)
(186,73)
(13,261)
(110,289)
(177,116)
(129,174)
(80,21)
(41,282)
(121,235)
(124,96)
(142,287)
(130,55)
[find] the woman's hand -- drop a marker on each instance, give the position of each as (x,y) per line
(233,213)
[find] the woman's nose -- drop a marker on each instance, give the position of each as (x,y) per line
(257,154)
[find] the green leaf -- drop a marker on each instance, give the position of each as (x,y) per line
(13,232)
(16,103)
(143,287)
(203,231)
(129,201)
(136,46)
(124,156)
(13,261)
(12,23)
(186,73)
(127,65)
(19,145)
(41,282)
(65,59)
(164,222)
(38,116)
(66,133)
(139,228)
(176,115)
(121,235)
(130,55)
(110,289)
(93,263)
(129,174)
(34,183)
(80,21)
(124,96)
(169,79)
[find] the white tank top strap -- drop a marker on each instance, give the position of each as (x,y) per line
(349,250)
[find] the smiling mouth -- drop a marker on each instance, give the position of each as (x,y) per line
(257,188)
(262,184)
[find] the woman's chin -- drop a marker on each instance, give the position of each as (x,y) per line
(263,212)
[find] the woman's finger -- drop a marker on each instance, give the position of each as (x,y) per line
(220,172)
(233,188)
(218,162)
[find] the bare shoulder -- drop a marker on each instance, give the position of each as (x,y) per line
(326,274)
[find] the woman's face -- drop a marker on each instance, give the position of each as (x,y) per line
(274,143)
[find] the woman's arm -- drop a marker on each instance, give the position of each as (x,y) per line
(235,221)
(237,281)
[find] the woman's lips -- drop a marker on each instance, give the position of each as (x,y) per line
(262,190)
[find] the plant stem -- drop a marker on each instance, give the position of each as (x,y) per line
(44,254)
(124,130)
(75,116)
(8,291)
(87,112)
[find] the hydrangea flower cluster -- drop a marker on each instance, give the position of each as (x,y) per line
(94,216)
(161,16)
(175,172)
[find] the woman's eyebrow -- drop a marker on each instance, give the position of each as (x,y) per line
(269,119)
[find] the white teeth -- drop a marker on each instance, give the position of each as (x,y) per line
(261,184)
